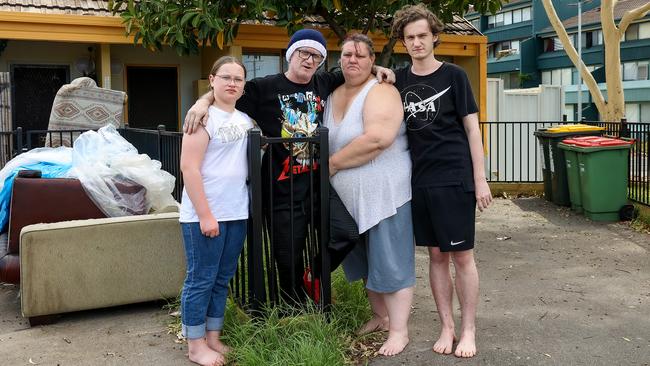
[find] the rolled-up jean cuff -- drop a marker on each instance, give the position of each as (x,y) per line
(214,324)
(193,331)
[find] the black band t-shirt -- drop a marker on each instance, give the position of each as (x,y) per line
(283,108)
(434,107)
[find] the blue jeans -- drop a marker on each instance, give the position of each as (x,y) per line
(211,263)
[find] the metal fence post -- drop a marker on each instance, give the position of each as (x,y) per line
(19,141)
(254,251)
(325,281)
(624,131)
(160,128)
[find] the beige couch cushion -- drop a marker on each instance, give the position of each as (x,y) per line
(87,264)
(82,105)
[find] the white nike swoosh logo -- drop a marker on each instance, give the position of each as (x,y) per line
(457,242)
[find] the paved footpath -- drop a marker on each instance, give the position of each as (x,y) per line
(562,290)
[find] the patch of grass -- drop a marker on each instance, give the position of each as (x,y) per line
(303,336)
(642,221)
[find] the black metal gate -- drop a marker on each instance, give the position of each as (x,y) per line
(256,283)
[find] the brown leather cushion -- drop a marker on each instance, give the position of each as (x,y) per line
(10,269)
(47,200)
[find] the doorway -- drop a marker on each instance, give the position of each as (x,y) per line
(152,96)
(33,88)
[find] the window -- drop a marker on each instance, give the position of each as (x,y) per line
(507,18)
(569,111)
(514,45)
(261,65)
(599,36)
(637,70)
(549,45)
(566,76)
(563,76)
(642,71)
(557,44)
(477,23)
(632,112)
(632,32)
(556,77)
(644,30)
(499,20)
(591,39)
(645,113)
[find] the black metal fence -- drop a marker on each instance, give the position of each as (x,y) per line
(161,145)
(259,279)
(512,153)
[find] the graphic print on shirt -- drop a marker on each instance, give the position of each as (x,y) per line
(421,105)
(231,133)
(300,119)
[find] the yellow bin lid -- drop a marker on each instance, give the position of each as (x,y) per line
(574,128)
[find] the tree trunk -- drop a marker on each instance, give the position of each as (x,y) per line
(589,80)
(612,42)
(386,52)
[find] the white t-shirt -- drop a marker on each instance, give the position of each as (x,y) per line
(224,169)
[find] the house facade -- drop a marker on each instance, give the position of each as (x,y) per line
(44,44)
(524,51)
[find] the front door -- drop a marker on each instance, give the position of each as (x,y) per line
(33,88)
(153,96)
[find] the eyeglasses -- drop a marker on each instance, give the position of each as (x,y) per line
(231,79)
(305,55)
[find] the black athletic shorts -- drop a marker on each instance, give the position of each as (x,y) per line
(444,217)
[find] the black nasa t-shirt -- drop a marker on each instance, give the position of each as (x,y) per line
(283,108)
(434,107)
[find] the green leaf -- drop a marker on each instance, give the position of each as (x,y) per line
(187,17)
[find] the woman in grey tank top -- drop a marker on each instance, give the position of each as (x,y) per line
(370,169)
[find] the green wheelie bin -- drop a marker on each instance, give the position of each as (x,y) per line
(602,175)
(572,169)
(556,188)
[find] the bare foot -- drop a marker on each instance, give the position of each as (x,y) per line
(218,346)
(467,345)
(375,324)
(395,344)
(445,343)
(201,354)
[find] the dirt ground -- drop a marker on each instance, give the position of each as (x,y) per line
(556,289)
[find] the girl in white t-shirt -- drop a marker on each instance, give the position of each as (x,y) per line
(214,210)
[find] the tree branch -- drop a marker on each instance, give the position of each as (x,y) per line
(633,15)
(338,30)
(597,95)
(386,52)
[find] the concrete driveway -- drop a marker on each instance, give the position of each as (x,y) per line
(556,289)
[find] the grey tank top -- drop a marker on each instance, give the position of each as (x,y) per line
(373,191)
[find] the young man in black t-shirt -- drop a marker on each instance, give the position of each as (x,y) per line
(448,178)
(289,104)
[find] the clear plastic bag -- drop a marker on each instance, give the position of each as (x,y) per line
(118,179)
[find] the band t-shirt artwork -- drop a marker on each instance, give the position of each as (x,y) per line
(434,107)
(283,108)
